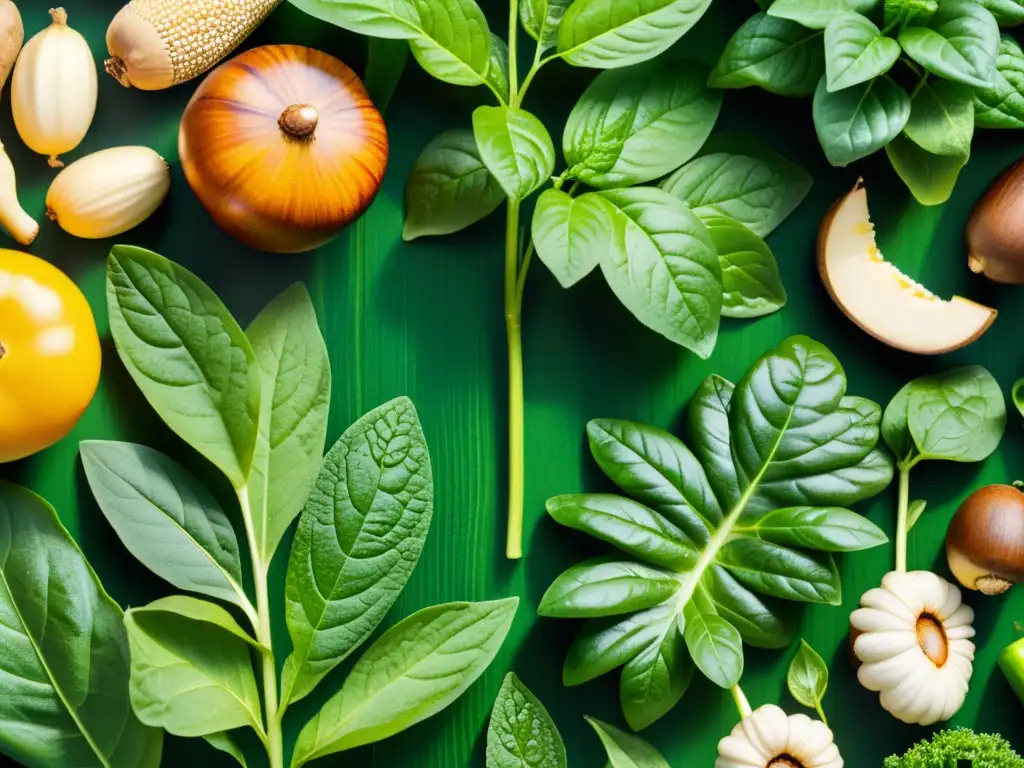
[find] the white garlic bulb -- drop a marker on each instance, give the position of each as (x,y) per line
(768,738)
(914,646)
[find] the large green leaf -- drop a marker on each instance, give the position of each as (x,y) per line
(942,118)
(818,14)
(929,177)
(778,55)
(358,540)
(858,121)
(166,519)
(541,20)
(751,283)
(961,42)
(187,354)
(1008,13)
(521,733)
(413,671)
(782,454)
(569,233)
(64,659)
(636,124)
(626,750)
(1000,104)
(610,33)
(516,148)
(856,51)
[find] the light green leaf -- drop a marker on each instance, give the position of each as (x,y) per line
(385,65)
(413,671)
(65,655)
(961,43)
(856,52)
(714,644)
(449,187)
(1008,13)
(831,529)
(606,587)
(605,34)
(359,538)
(898,14)
(516,148)
(569,233)
(751,283)
(942,118)
(521,733)
(626,750)
(542,18)
(1000,104)
(223,742)
(930,178)
(497,68)
(636,124)
(807,678)
(914,512)
(202,610)
(818,14)
(187,354)
(957,415)
(858,121)
(296,376)
(776,54)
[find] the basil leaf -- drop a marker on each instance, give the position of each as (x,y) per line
(1000,104)
(359,538)
(895,430)
(1008,13)
(385,65)
(624,749)
(223,742)
(751,283)
(449,187)
(900,13)
(296,397)
(636,124)
(807,678)
(958,415)
(856,52)
(607,643)
(569,232)
(818,14)
(830,529)
(542,18)
(714,644)
(662,265)
(655,679)
(758,192)
(606,587)
(189,676)
(858,121)
(166,519)
(942,118)
(449,38)
(929,177)
(763,622)
(960,43)
(609,33)
(188,356)
(515,147)
(497,68)
(708,423)
(195,609)
(914,512)
(521,733)
(65,659)
(779,571)
(776,54)
(413,671)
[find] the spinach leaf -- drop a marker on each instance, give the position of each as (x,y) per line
(413,671)
(807,678)
(166,519)
(960,43)
(942,118)
(449,187)
(655,679)
(778,55)
(929,177)
(65,655)
(516,148)
(1000,104)
(609,33)
(750,276)
(818,14)
(662,265)
(187,355)
(759,192)
(858,121)
(636,124)
(385,65)
(624,749)
(751,510)
(359,538)
(224,743)
(521,733)
(856,51)
(569,233)
(190,676)
(497,68)
(1008,13)
(541,20)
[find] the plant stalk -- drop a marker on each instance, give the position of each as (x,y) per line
(901,517)
(742,705)
(513,327)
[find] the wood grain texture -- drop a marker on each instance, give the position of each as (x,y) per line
(425,320)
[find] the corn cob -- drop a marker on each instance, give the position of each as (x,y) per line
(155,44)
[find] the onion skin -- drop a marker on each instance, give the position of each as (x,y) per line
(985,540)
(12,36)
(995,229)
(283,147)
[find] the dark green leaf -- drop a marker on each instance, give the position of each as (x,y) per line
(714,644)
(858,121)
(778,55)
(942,118)
(541,20)
(385,64)
(708,422)
(515,147)
(763,622)
(655,679)
(895,430)
(914,512)
(606,587)
(521,733)
(930,178)
(817,14)
(608,643)
(1000,104)
(783,572)
(626,750)
(958,415)
(856,52)
(751,283)
(831,529)
(807,678)
(960,43)
(569,233)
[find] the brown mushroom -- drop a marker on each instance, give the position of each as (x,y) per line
(985,541)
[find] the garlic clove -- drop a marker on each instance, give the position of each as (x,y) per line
(878,646)
(769,731)
(876,620)
(878,675)
(738,750)
(884,600)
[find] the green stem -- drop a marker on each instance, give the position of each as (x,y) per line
(513,325)
(901,517)
(821,713)
(741,701)
(513,53)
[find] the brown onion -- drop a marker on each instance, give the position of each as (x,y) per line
(985,541)
(283,147)
(995,230)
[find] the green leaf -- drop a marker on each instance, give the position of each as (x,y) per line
(818,14)
(831,529)
(606,587)
(187,354)
(202,610)
(166,518)
(385,65)
(960,43)
(758,192)
(358,541)
(624,749)
(1000,104)
(900,13)
(296,376)
(636,124)
(65,655)
(1008,13)
(655,679)
(607,643)
(778,55)
(1017,395)
(497,68)
(521,733)
(929,177)
(223,742)
(858,121)
(763,622)
(516,148)
(542,18)
(714,644)
(942,118)
(569,232)
(895,430)
(958,415)
(914,512)
(189,676)
(413,671)
(662,265)
(751,283)
(807,678)
(779,571)
(449,187)
(856,52)
(449,38)
(605,34)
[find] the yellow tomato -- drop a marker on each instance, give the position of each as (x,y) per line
(49,355)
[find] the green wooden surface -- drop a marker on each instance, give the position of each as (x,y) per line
(425,319)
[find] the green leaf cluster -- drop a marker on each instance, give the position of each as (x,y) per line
(958,746)
(714,537)
(913,77)
(255,403)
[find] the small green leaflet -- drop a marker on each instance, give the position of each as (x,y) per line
(961,42)
(497,69)
(225,743)
(914,512)
(521,733)
(858,121)
(942,118)
(1001,103)
(1017,395)
(751,283)
(1008,13)
(856,52)
(516,148)
(541,20)
(778,55)
(818,14)
(624,749)
(569,233)
(929,177)
(807,678)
